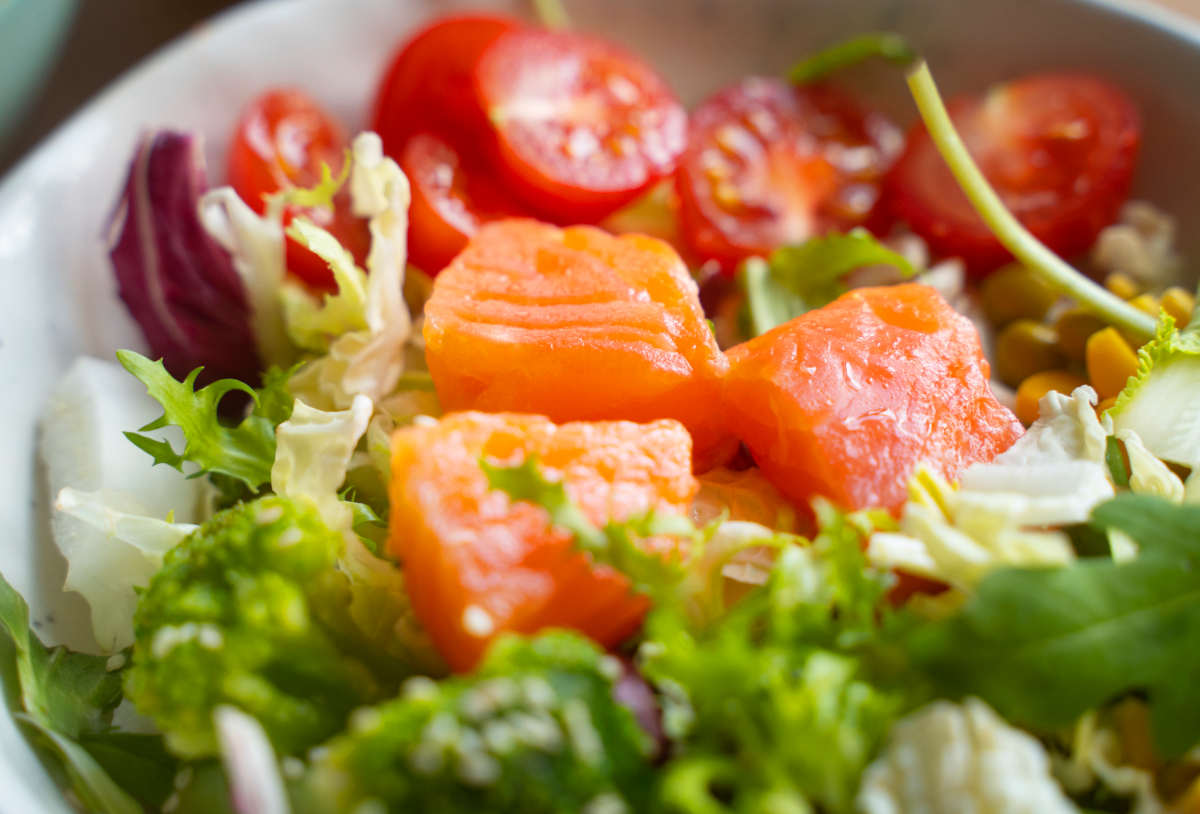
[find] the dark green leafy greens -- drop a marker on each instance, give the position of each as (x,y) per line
(65,699)
(881,44)
(535,729)
(242,454)
(797,279)
(780,704)
(1044,646)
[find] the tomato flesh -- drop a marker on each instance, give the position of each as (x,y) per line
(769,164)
(429,83)
(451,198)
(282,140)
(1058,149)
(580,126)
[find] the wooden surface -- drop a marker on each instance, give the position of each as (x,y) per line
(93,56)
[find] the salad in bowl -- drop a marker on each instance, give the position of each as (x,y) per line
(551,446)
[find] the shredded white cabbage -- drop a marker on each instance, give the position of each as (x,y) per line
(950,759)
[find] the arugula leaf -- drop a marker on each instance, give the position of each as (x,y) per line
(244,453)
(1114,458)
(797,279)
(67,692)
(884,44)
(137,762)
(1043,646)
(63,698)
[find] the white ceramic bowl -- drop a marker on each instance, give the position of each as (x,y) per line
(59,300)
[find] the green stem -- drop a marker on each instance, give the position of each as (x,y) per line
(1015,237)
(551,13)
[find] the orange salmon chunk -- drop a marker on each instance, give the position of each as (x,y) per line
(576,324)
(476,564)
(846,400)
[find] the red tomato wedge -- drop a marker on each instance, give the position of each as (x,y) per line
(846,400)
(477,564)
(770,164)
(581,126)
(281,140)
(451,198)
(429,83)
(1058,149)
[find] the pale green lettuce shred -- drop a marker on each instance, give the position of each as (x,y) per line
(1162,401)
(114,549)
(1095,756)
(1147,474)
(314,325)
(313,449)
(369,361)
(1053,475)
(256,246)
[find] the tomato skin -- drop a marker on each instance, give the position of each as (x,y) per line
(1059,149)
(452,197)
(429,82)
(580,126)
(281,140)
(769,164)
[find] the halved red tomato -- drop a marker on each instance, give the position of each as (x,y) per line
(770,164)
(581,127)
(282,140)
(1058,149)
(451,198)
(429,83)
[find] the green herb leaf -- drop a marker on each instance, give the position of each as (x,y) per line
(245,452)
(882,44)
(64,697)
(1043,646)
(70,693)
(797,279)
(616,544)
(1114,458)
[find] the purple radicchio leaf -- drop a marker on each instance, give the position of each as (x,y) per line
(634,693)
(177,282)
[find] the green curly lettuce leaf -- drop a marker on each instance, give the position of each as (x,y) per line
(243,454)
(797,279)
(535,729)
(250,611)
(1162,401)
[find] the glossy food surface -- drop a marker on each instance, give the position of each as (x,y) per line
(846,400)
(477,564)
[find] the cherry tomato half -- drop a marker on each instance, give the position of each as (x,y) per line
(451,198)
(770,164)
(581,126)
(1058,149)
(429,83)
(281,140)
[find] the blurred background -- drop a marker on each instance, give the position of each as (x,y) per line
(56,54)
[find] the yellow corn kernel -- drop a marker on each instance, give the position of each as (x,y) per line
(1074,326)
(1122,285)
(1110,362)
(1179,303)
(1039,384)
(1105,405)
(1147,304)
(1189,801)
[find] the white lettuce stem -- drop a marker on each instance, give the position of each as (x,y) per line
(1015,237)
